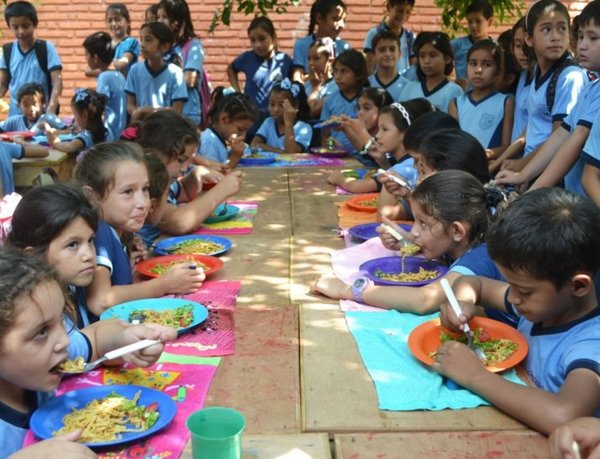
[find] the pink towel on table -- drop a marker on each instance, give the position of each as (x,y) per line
(216,335)
(242,223)
(186,384)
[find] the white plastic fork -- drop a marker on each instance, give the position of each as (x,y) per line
(396,235)
(466,329)
(117,353)
(398,180)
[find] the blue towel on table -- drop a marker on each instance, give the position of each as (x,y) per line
(401,381)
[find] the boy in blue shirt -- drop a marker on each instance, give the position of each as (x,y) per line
(31,103)
(26,54)
(398,12)
(387,54)
(99,54)
(480,16)
(546,246)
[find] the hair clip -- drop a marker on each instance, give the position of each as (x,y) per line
(287,85)
(81,94)
(398,106)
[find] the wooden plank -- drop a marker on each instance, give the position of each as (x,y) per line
(262,378)
(299,446)
(27,170)
(458,445)
(338,394)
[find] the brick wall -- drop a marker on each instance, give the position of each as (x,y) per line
(68,22)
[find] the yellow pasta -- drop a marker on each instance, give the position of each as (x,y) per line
(368,202)
(106,419)
(160,269)
(200,246)
(421,275)
(72,366)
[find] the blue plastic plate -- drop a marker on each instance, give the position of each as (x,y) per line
(42,140)
(230,212)
(394,265)
(48,418)
(162,247)
(367,231)
(123,310)
(266,157)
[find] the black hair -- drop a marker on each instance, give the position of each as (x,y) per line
(121,10)
(548,233)
(441,42)
(324,45)
(235,105)
(322,8)
(537,9)
(96,169)
(100,44)
(263,22)
(480,6)
(157,173)
(400,2)
(168,132)
(379,96)
(510,66)
(505,40)
(45,211)
(299,101)
(424,126)
(153,11)
(31,89)
(591,13)
(384,35)
(455,149)
(414,109)
(93,104)
(178,12)
(454,195)
(494,49)
(20,274)
(527,50)
(355,61)
(21,8)
(162,32)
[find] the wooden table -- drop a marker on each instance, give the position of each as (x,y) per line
(296,374)
(30,171)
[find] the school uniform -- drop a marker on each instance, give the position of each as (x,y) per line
(212,146)
(149,233)
(539,124)
(483,119)
(20,123)
(338,104)
(25,68)
(584,114)
(555,351)
(156,89)
(461,47)
(111,83)
(440,96)
(406,41)
(326,89)
(394,87)
(406,168)
(302,46)
(591,150)
(112,254)
(262,74)
(8,152)
(521,95)
(269,132)
(193,61)
(128,45)
(86,137)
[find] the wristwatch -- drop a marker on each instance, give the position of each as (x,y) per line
(359,286)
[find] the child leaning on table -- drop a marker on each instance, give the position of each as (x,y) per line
(545,245)
(115,179)
(34,341)
(32,104)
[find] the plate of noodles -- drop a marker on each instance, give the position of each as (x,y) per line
(109,415)
(193,243)
(503,345)
(178,313)
(368,231)
(257,157)
(364,202)
(157,266)
(406,271)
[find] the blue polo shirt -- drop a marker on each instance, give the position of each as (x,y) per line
(440,96)
(111,83)
(406,41)
(112,254)
(192,56)
(156,89)
(212,146)
(483,119)
(303,44)
(395,87)
(269,132)
(128,45)
(8,152)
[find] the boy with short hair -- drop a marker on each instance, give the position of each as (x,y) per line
(398,12)
(387,52)
(19,66)
(99,54)
(546,246)
(479,15)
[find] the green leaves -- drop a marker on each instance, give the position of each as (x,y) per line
(248,7)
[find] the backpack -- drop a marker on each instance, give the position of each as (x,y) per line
(203,88)
(551,89)
(41,53)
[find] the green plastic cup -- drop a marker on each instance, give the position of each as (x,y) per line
(216,433)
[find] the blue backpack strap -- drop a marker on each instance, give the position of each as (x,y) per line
(410,40)
(7,51)
(551,89)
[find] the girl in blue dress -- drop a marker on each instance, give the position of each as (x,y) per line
(284,131)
